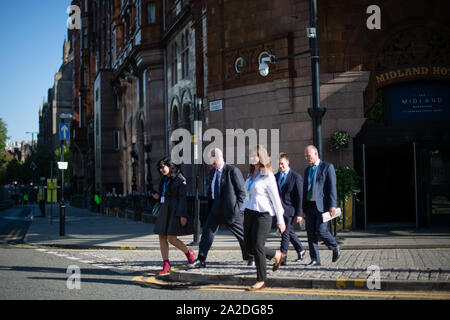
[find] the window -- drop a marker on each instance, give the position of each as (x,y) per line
(174,65)
(138,13)
(185,55)
(239,64)
(114,46)
(116,140)
(85,76)
(85,38)
(151,13)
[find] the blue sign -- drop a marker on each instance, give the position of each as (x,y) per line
(421,102)
(64,131)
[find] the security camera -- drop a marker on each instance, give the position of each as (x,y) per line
(263,65)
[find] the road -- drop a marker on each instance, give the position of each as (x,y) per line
(28,272)
(14,223)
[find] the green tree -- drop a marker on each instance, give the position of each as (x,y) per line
(43,159)
(3,135)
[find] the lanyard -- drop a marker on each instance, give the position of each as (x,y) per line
(281,181)
(251,181)
(165,184)
(311,176)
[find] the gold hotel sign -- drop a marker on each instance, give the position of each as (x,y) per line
(413,73)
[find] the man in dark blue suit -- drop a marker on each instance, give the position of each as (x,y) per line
(290,187)
(226,194)
(320,194)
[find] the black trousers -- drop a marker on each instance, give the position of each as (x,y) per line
(289,235)
(209,232)
(257,226)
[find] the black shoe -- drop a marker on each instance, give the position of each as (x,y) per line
(313,263)
(251,262)
(301,255)
(336,254)
(197,264)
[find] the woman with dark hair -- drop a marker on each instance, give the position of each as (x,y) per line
(262,202)
(173,219)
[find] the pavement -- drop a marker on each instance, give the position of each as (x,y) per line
(402,260)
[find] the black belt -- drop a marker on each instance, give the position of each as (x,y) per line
(254,212)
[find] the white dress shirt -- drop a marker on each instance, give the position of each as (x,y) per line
(264,197)
(215,177)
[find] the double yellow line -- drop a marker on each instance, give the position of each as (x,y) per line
(13,235)
(150,280)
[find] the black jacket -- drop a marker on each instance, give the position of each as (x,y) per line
(291,193)
(232,194)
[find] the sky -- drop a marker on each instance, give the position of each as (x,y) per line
(32,34)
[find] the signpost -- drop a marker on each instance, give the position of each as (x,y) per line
(64,134)
(64,131)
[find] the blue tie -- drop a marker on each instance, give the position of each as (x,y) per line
(217,186)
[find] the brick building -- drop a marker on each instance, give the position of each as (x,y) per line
(366,76)
(59,100)
(147,66)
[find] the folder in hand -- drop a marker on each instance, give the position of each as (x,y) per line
(327,217)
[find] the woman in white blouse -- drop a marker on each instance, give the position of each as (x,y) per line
(261,203)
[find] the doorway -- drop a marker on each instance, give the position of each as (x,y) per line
(390,185)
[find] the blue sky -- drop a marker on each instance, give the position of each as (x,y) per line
(32,35)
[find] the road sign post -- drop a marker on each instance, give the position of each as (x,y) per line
(64,134)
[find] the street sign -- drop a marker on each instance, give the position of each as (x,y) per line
(64,131)
(33,166)
(62,165)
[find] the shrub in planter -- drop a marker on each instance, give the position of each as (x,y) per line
(348,187)
(339,140)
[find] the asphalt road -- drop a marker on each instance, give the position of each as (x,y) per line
(31,273)
(14,224)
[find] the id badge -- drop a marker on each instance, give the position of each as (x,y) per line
(247,197)
(162,199)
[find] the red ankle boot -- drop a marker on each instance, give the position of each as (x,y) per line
(190,256)
(166,268)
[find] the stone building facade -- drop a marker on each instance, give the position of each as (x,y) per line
(159,65)
(358,65)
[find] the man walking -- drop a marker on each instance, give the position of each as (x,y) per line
(290,187)
(320,193)
(225,197)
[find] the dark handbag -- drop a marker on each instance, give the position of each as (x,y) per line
(156,208)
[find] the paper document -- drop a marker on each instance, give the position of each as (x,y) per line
(326,215)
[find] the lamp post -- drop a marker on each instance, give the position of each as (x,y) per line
(32,138)
(316,112)
(196,139)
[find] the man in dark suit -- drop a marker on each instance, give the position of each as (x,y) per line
(290,187)
(320,194)
(225,197)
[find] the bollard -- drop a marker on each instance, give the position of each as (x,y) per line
(62,219)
